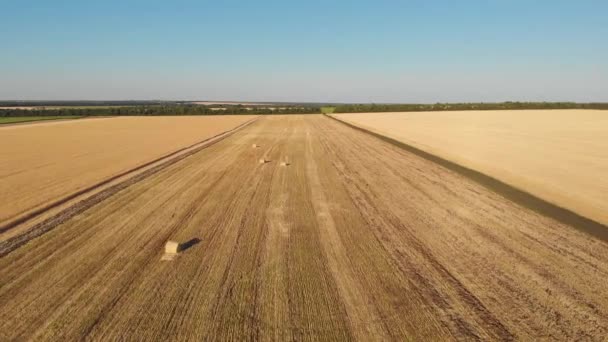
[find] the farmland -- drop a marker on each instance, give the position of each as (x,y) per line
(558,155)
(45,162)
(20,119)
(355,238)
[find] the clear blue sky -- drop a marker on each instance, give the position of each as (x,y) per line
(334,51)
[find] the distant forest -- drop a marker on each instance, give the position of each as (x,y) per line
(80,103)
(366,108)
(144,108)
(164,109)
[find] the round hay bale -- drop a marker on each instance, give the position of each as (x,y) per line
(262,160)
(284,163)
(171,247)
(254,145)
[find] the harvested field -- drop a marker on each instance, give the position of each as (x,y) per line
(44,162)
(356,239)
(558,155)
(235,103)
(20,107)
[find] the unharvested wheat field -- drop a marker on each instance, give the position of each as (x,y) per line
(558,155)
(354,239)
(43,162)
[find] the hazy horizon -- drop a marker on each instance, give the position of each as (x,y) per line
(272,51)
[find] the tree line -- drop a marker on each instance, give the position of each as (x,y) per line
(192,109)
(364,108)
(156,110)
(72,103)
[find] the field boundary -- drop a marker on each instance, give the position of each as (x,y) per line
(98,193)
(512,193)
(40,120)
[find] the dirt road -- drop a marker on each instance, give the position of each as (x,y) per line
(354,239)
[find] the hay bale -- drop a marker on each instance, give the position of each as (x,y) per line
(254,145)
(263,160)
(171,247)
(284,163)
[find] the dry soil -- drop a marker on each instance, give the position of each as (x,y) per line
(354,239)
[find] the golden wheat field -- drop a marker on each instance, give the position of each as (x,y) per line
(558,155)
(294,228)
(42,163)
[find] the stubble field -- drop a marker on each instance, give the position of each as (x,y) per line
(42,163)
(558,155)
(355,239)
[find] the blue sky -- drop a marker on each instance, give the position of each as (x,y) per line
(325,51)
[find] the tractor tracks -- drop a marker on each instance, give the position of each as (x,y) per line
(98,193)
